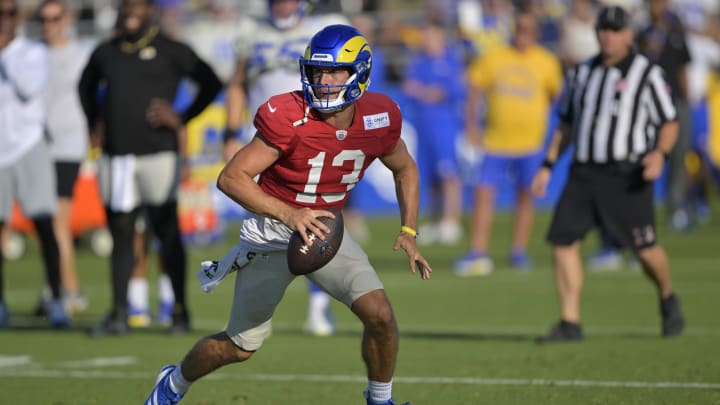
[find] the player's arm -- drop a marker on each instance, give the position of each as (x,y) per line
(479,78)
(559,142)
(667,122)
(235,104)
(654,162)
(562,136)
(237,181)
(406,177)
(183,153)
(236,101)
(475,104)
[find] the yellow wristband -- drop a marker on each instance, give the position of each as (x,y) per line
(409,231)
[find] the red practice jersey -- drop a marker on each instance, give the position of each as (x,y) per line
(320,164)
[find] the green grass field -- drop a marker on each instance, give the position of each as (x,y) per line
(463,341)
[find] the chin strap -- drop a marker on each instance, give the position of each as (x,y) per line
(304,119)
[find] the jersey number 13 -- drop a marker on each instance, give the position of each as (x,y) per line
(317,164)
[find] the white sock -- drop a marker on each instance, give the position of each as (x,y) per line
(138,294)
(178,383)
(165,290)
(319,302)
(380,391)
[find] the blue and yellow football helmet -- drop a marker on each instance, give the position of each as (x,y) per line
(336,46)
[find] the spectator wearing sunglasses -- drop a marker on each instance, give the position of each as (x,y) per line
(26,172)
(67,132)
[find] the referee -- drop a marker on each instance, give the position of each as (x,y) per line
(617,111)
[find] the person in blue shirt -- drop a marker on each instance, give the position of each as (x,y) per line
(435,87)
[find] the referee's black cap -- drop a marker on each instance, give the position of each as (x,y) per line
(613,18)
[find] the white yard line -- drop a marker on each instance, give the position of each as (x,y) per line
(100,362)
(318,378)
(14,361)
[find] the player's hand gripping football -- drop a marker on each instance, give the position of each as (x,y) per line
(305,219)
(417,262)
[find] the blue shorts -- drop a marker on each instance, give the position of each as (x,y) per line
(436,148)
(496,171)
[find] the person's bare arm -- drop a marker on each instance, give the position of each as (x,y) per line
(181,134)
(406,177)
(473,107)
(235,105)
(236,102)
(237,181)
(559,142)
(655,160)
(683,81)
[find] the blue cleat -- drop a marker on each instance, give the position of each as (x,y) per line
(390,401)
(162,394)
(138,317)
(165,313)
(520,261)
(473,264)
(606,260)
(56,315)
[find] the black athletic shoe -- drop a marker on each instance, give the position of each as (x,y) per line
(180,322)
(563,331)
(112,325)
(673,322)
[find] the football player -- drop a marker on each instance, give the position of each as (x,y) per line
(310,149)
(268,50)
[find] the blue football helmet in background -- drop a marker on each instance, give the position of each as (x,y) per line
(336,46)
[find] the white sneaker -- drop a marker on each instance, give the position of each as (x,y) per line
(449,233)
(75,303)
(319,326)
(427,234)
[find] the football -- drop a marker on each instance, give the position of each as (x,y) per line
(303,259)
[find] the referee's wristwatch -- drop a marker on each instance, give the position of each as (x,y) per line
(666,155)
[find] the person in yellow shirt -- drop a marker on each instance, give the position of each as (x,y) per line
(516,84)
(713,141)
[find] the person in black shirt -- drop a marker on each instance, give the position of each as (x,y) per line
(663,42)
(617,111)
(139,71)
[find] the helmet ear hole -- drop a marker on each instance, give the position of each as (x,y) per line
(364,66)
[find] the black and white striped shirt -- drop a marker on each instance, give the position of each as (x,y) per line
(615,112)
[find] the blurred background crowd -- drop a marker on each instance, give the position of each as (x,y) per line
(398,31)
(410,37)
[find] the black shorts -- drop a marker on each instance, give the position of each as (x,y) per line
(617,198)
(67,173)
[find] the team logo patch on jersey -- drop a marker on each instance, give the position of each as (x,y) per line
(376,121)
(341,134)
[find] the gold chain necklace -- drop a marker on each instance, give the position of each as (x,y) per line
(131,47)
